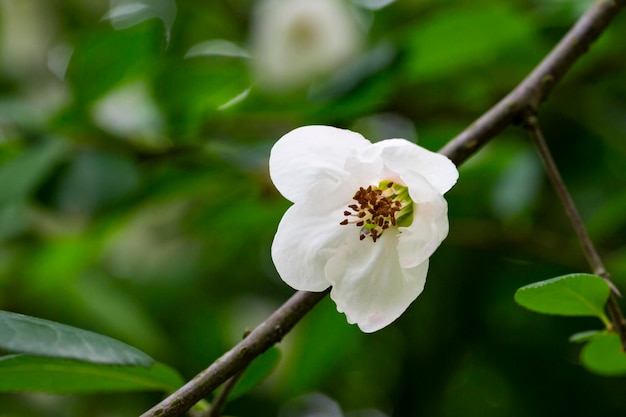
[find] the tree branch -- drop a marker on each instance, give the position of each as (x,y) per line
(593,258)
(538,84)
(526,95)
(264,336)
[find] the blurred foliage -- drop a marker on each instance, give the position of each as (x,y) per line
(135,200)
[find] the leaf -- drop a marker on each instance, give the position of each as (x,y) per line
(568,295)
(373,4)
(20,175)
(259,369)
(31,335)
(460,38)
(585,336)
(126,13)
(604,355)
(62,376)
(219,47)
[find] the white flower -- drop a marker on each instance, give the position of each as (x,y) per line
(295,41)
(365,219)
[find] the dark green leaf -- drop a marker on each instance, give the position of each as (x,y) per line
(568,295)
(55,375)
(19,176)
(25,334)
(604,355)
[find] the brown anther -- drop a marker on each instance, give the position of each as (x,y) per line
(374,210)
(343,223)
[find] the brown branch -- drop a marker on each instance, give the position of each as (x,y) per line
(536,86)
(593,258)
(528,94)
(264,336)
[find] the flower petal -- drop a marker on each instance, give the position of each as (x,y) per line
(311,154)
(429,228)
(400,156)
(307,237)
(369,284)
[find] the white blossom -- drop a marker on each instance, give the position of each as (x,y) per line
(365,220)
(295,41)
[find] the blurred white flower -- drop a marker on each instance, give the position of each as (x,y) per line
(130,113)
(296,41)
(365,219)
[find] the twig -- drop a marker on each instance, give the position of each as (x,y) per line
(258,341)
(538,84)
(220,399)
(527,94)
(593,258)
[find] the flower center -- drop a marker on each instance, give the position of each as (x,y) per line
(378,208)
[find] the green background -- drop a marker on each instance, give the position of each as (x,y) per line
(161,237)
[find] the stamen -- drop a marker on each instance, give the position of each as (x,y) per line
(378,208)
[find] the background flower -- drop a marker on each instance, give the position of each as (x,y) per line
(296,41)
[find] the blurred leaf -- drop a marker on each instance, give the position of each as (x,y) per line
(373,4)
(456,39)
(12,219)
(518,187)
(127,13)
(603,355)
(95,179)
(25,334)
(260,368)
(104,58)
(63,376)
(583,336)
(218,47)
(20,175)
(100,301)
(59,262)
(191,92)
(568,295)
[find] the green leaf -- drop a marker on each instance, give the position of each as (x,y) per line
(459,38)
(604,355)
(62,376)
(568,295)
(25,334)
(218,47)
(259,369)
(20,175)
(127,13)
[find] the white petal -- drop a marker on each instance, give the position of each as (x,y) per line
(307,237)
(429,228)
(311,154)
(369,284)
(400,155)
